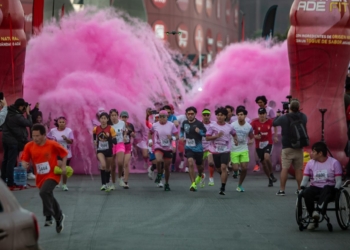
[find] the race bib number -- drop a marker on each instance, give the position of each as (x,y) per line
(43,168)
(220,148)
(190,143)
(103,145)
(165,142)
(263,144)
(120,138)
(321,175)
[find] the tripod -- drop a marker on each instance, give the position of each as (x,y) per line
(323,111)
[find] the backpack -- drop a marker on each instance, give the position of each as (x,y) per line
(297,132)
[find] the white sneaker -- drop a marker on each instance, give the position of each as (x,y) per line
(111,186)
(121,183)
(186,170)
(160,184)
(181,166)
(150,173)
(312,226)
(31,176)
(103,188)
(64,187)
(202,183)
(316,215)
(211,182)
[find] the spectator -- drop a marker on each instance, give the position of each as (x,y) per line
(14,137)
(3,112)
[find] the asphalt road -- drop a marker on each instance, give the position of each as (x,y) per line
(146,217)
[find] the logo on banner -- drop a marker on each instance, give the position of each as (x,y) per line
(209,7)
(198,37)
(159,3)
(183,4)
(159,28)
(321,6)
(199,6)
(182,39)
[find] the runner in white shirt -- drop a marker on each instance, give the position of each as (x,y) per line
(65,137)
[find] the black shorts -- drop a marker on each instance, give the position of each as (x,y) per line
(106,153)
(196,156)
(60,159)
(166,154)
(222,158)
(262,151)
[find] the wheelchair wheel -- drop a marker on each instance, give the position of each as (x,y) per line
(301,214)
(342,209)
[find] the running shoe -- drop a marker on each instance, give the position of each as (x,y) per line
(150,173)
(193,187)
(48,221)
(31,176)
(312,226)
(186,170)
(111,186)
(103,188)
(198,180)
(222,191)
(346,183)
(167,187)
(256,168)
(270,183)
(158,179)
(240,189)
(273,178)
(297,192)
(202,183)
(181,166)
(281,193)
(121,183)
(126,186)
(59,224)
(108,189)
(64,187)
(160,184)
(211,182)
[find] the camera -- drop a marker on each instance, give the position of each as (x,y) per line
(285,105)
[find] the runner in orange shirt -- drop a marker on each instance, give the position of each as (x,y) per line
(43,153)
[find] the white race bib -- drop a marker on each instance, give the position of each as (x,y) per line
(43,168)
(190,143)
(263,144)
(221,148)
(103,145)
(165,142)
(321,175)
(120,138)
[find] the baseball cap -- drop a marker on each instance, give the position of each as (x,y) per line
(20,102)
(206,111)
(124,113)
(262,111)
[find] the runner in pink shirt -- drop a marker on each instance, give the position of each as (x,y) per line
(219,134)
(325,175)
(160,136)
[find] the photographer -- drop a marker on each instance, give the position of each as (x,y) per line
(14,137)
(292,154)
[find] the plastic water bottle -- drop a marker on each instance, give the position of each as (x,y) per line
(20,176)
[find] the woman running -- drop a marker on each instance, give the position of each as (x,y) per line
(64,136)
(118,149)
(104,137)
(130,133)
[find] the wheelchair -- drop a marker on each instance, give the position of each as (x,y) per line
(341,208)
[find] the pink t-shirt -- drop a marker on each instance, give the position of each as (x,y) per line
(323,173)
(160,134)
(224,143)
(56,135)
(206,143)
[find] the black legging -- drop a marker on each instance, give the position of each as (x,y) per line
(326,193)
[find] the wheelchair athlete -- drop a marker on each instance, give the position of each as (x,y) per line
(325,175)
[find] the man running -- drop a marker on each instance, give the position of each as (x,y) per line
(219,133)
(240,152)
(44,153)
(162,133)
(193,131)
(263,142)
(207,156)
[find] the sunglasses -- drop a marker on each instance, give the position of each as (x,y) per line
(163,116)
